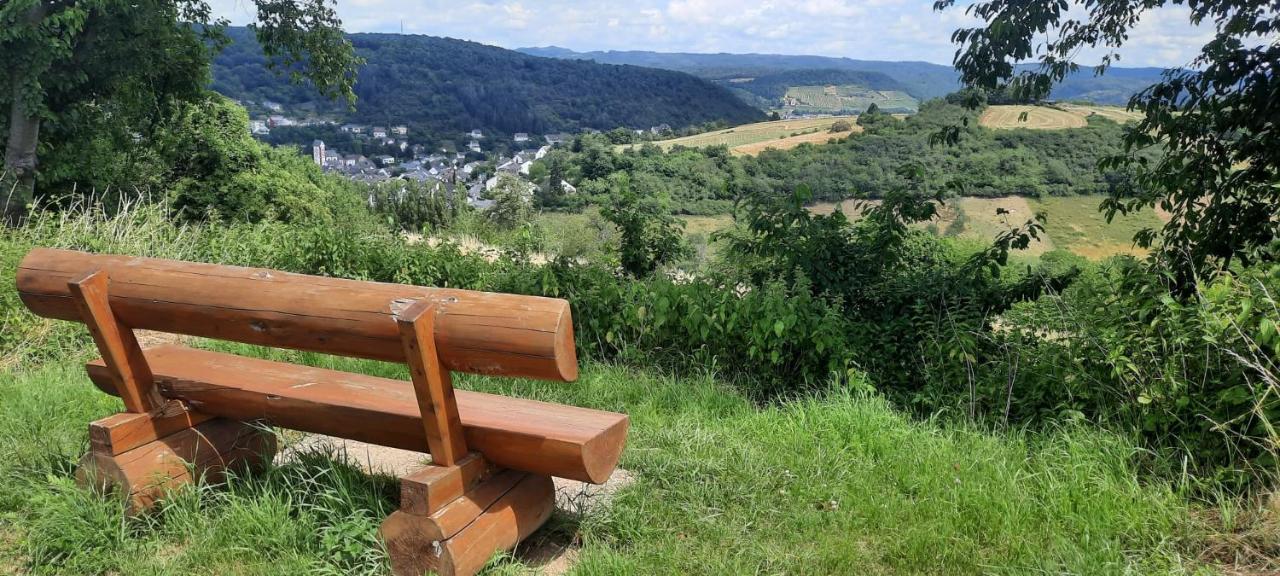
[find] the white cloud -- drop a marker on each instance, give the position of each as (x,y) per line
(866,29)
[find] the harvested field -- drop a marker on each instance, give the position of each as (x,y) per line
(792,141)
(1008,117)
(1114,113)
(753,133)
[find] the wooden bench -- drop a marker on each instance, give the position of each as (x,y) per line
(191,412)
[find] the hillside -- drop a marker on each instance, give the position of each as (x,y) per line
(923,80)
(822,91)
(441,87)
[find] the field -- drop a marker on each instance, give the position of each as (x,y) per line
(1008,117)
(820,137)
(748,134)
(846,99)
(1114,113)
(1074,223)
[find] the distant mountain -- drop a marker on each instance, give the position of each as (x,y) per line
(441,87)
(922,80)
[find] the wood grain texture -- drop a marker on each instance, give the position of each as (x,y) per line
(413,542)
(428,489)
(208,450)
(432,384)
(478,332)
(122,432)
(115,341)
(540,437)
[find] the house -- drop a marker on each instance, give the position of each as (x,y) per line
(272,106)
(556,139)
(659,129)
(259,127)
(277,120)
(475,134)
(379,132)
(474,146)
(521,137)
(317,152)
(460,156)
(541,152)
(387,141)
(400,130)
(353,128)
(402,145)
(386,160)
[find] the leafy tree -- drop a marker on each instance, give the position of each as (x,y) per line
(214,165)
(841,126)
(108,72)
(418,206)
(512,201)
(649,235)
(1214,119)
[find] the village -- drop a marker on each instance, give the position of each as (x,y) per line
(476,166)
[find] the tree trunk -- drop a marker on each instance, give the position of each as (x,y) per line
(19,159)
(18,178)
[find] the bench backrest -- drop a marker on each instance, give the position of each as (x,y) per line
(477,332)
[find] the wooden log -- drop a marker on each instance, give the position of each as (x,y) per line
(143,475)
(521,504)
(478,332)
(428,489)
(119,433)
(540,437)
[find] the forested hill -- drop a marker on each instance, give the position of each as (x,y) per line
(922,80)
(442,87)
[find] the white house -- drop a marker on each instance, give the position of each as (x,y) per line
(521,137)
(379,132)
(317,152)
(475,134)
(400,130)
(474,146)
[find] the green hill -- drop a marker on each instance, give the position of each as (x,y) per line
(441,87)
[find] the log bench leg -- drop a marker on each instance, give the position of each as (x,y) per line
(146,472)
(490,512)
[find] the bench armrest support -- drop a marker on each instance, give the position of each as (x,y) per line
(432,384)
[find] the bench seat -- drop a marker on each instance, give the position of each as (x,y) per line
(540,437)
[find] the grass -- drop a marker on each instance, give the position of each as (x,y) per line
(840,484)
(753,133)
(1009,117)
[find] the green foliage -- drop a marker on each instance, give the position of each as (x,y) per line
(95,82)
(989,163)
(512,201)
(648,235)
(418,206)
(840,126)
(442,87)
(216,167)
(1196,378)
(1222,197)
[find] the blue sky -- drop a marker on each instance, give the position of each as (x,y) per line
(867,29)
